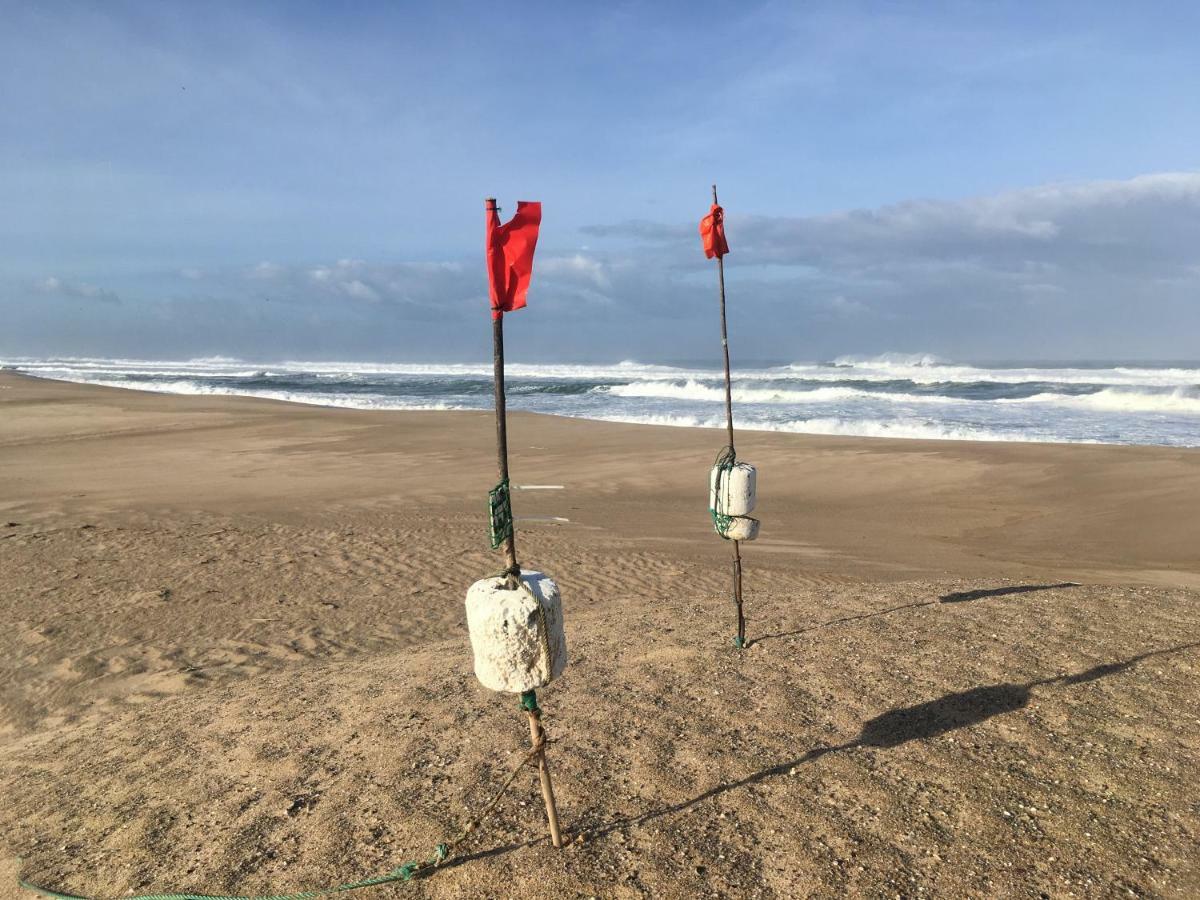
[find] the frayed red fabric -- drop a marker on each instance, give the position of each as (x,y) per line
(510,256)
(712,233)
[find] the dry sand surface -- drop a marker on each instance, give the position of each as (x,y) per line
(234,658)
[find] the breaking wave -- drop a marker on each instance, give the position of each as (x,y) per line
(918,396)
(1184,401)
(715,393)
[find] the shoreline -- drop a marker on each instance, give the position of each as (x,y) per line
(613,419)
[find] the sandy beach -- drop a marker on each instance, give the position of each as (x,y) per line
(234,658)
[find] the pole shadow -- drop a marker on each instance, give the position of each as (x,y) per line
(966,708)
(843,620)
(960,597)
(964,596)
(922,721)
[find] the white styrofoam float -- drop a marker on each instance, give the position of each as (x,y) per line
(731,495)
(731,490)
(506,633)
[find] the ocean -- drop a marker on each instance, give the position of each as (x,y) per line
(894,395)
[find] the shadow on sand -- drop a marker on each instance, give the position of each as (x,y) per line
(961,709)
(964,596)
(961,597)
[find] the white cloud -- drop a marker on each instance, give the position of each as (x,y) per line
(844,306)
(1149,220)
(432,289)
(359,291)
(575,267)
(265,271)
(55,286)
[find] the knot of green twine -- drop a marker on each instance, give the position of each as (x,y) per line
(529,702)
(725,461)
(407,871)
(721,523)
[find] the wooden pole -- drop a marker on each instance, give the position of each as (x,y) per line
(725,342)
(737,594)
(512,580)
(538,735)
(740,641)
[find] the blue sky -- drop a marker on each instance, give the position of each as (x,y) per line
(979,180)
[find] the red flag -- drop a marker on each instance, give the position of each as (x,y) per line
(510,256)
(712,233)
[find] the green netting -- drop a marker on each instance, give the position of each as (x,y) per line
(500,514)
(725,461)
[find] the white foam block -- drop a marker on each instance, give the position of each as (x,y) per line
(742,528)
(731,492)
(506,633)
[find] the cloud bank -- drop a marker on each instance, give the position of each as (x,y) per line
(1095,269)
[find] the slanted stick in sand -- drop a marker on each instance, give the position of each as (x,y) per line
(731,484)
(515,618)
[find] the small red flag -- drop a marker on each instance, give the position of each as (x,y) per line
(510,256)
(712,233)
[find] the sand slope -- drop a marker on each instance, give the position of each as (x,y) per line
(234,659)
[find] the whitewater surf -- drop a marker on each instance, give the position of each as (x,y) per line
(901,396)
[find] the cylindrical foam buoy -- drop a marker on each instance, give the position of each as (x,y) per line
(506,632)
(742,528)
(731,490)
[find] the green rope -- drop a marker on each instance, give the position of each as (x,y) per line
(500,514)
(406,872)
(725,461)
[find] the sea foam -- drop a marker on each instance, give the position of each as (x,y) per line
(894,395)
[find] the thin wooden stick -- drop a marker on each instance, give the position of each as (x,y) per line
(725,342)
(538,735)
(512,580)
(737,594)
(737,551)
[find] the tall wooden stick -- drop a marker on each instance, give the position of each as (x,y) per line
(737,550)
(512,568)
(725,341)
(513,577)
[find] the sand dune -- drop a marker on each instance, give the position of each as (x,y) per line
(235,659)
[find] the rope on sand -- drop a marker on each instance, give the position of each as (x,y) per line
(406,872)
